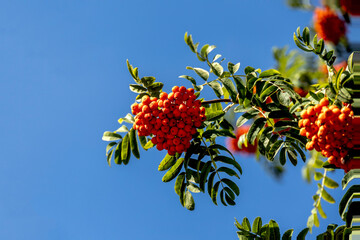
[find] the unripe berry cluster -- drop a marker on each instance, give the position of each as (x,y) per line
(329,129)
(172,119)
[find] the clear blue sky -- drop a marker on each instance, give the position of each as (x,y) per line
(64,82)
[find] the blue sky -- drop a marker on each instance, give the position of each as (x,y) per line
(64,82)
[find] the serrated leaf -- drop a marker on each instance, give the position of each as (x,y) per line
(174,171)
(167,162)
(110,136)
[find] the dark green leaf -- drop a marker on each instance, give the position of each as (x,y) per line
(256,226)
(109,156)
(155,87)
(142,141)
(288,234)
(218,132)
(254,130)
(228,160)
(292,156)
(214,192)
(134,144)
(246,116)
(302,234)
(117,157)
(204,174)
(229,171)
(232,185)
(125,149)
(191,79)
(217,69)
(228,84)
(233,68)
(275,148)
(274,230)
(282,156)
(109,146)
(214,115)
(210,182)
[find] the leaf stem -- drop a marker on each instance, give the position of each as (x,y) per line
(216,100)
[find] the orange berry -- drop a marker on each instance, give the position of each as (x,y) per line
(324,102)
(310,111)
(304,114)
(145,100)
(175,89)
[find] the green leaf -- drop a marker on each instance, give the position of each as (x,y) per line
(210,182)
(125,149)
(240,86)
(204,174)
(254,130)
(123,128)
(174,171)
(214,192)
(167,162)
(137,88)
(318,176)
(189,202)
(228,160)
(256,226)
(246,224)
(229,171)
(275,148)
(268,92)
(274,230)
(110,136)
(109,146)
(233,68)
(228,84)
(284,99)
(149,145)
(147,81)
(155,87)
(302,234)
(232,185)
(193,188)
(217,69)
(191,79)
(133,72)
(306,36)
(249,70)
(109,156)
(128,118)
(216,87)
(292,156)
(143,141)
(246,116)
(117,157)
(327,197)
(212,116)
(282,156)
(288,234)
(202,73)
(179,182)
(134,144)
(269,73)
(220,147)
(321,211)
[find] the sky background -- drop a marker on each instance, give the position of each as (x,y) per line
(64,81)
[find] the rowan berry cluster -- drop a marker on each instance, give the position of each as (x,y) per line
(329,129)
(171,120)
